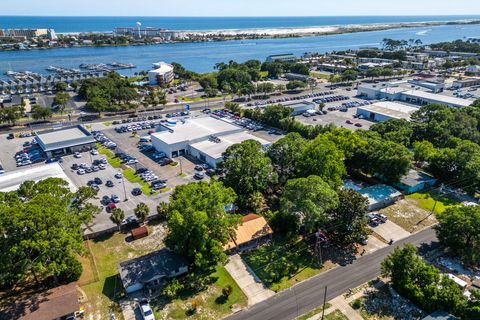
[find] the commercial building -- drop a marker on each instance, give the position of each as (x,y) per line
(204,138)
(299,108)
(472,70)
(384,110)
(432,85)
(400,92)
(211,151)
(465,83)
(163,34)
(151,270)
(64,141)
(296,76)
(54,304)
(415,181)
(252,232)
(162,74)
(288,57)
(380,196)
(370,65)
(24,33)
(12,180)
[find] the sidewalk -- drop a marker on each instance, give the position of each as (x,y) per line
(247,280)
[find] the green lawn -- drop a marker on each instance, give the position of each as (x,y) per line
(336,315)
(293,262)
(211,304)
(111,159)
(426,200)
(130,175)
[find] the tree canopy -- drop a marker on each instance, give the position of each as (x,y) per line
(198,225)
(247,169)
(459,231)
(41,231)
(307,200)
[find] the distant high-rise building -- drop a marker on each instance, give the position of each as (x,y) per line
(52,35)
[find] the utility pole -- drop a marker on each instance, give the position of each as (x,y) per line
(324,302)
(124,189)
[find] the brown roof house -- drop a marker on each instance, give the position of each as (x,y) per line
(253,231)
(60,303)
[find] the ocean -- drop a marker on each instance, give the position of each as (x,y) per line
(106,24)
(201,57)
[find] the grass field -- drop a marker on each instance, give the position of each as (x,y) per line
(211,303)
(336,315)
(426,200)
(293,262)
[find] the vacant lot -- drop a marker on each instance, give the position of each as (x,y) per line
(211,304)
(409,215)
(283,263)
(382,303)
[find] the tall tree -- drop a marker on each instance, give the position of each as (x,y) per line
(41,233)
(321,157)
(198,226)
(459,231)
(285,154)
(308,200)
(348,221)
(247,169)
(61,99)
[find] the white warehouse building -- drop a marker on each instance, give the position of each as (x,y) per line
(162,74)
(204,138)
(385,110)
(397,92)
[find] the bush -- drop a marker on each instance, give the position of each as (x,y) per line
(227,291)
(172,289)
(357,304)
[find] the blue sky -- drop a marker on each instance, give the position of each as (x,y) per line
(238,7)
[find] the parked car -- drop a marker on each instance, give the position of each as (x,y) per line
(94,152)
(109,183)
(137,191)
(146,311)
(105,200)
(98,180)
(77,155)
(115,198)
(199,175)
(118,175)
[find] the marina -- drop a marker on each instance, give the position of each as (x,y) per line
(202,57)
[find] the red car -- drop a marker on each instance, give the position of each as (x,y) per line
(111,206)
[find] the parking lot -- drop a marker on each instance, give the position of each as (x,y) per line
(9,148)
(121,187)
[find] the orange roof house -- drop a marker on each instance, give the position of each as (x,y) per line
(253,231)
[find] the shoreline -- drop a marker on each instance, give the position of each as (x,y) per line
(265,33)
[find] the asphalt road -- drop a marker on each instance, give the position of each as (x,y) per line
(309,294)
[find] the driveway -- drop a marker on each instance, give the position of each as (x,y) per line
(390,230)
(247,280)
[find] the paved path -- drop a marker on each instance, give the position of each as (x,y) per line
(390,230)
(309,294)
(247,280)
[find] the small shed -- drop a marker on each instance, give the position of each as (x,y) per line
(139,233)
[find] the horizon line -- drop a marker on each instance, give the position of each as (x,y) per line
(232,16)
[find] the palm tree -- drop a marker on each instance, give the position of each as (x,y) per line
(142,211)
(162,210)
(117,216)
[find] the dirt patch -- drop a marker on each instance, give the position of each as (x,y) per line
(409,216)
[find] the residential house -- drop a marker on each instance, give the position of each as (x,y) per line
(253,231)
(415,181)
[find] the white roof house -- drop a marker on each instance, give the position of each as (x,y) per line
(161,74)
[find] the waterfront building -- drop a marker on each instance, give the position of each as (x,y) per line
(162,74)
(288,57)
(163,34)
